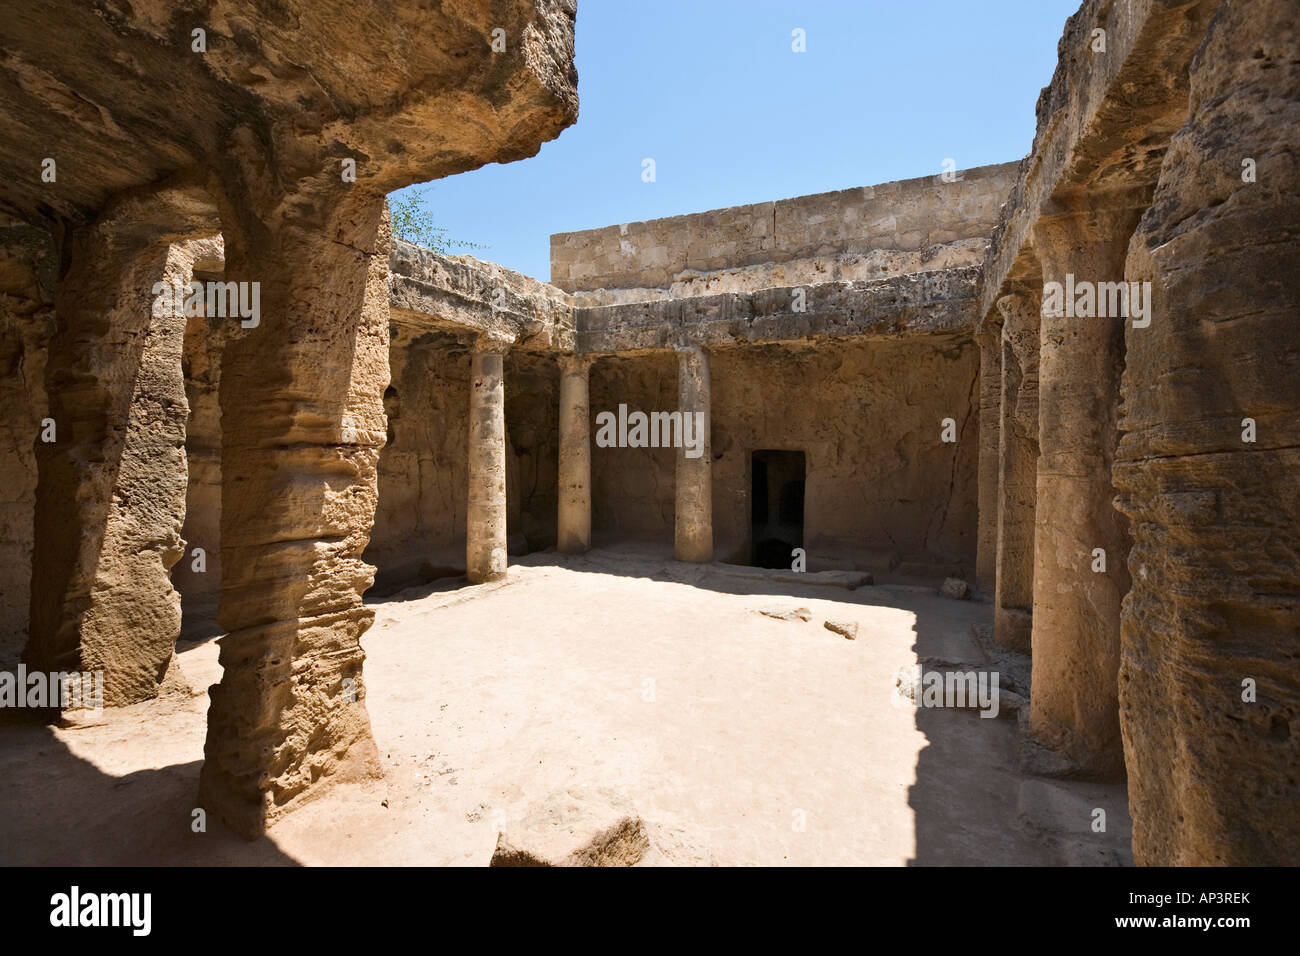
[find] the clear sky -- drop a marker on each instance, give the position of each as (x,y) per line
(713,93)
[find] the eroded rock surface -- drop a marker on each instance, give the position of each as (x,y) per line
(1215,600)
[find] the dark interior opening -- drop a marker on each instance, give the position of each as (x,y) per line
(776,502)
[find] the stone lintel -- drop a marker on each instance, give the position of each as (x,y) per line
(918,303)
(431,291)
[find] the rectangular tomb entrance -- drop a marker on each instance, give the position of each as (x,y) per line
(776,499)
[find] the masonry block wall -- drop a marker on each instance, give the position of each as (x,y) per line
(894,228)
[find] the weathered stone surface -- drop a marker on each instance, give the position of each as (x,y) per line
(861,233)
(1216,520)
(929,302)
(1104,121)
(1017,493)
(575,828)
(254,137)
(693,511)
(871,264)
(485,516)
(988,337)
(28,260)
(839,325)
(881,487)
(846,629)
(302,424)
(1076,600)
(463,293)
(110,499)
(423,471)
(411,92)
(574,521)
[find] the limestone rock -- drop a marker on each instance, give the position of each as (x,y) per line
(906,682)
(575,828)
(787,614)
(1215,597)
(846,629)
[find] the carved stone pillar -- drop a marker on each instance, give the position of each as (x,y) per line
(694,512)
(485,531)
(1074,703)
(573,528)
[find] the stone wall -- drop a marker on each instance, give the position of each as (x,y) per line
(420,521)
(419,531)
(863,233)
(632,488)
(883,493)
(532,450)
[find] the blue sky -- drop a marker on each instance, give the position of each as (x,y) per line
(711,90)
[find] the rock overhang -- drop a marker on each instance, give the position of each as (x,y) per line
(126,99)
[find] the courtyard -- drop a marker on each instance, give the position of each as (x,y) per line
(738,738)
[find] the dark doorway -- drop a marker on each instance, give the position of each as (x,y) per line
(776,500)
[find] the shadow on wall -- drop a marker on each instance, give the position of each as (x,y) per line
(420,521)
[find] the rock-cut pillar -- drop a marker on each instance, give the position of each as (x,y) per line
(1074,700)
(302,425)
(573,529)
(485,532)
(988,338)
(1210,654)
(110,497)
(1013,596)
(693,538)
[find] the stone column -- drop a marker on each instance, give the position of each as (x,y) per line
(573,528)
(110,497)
(1017,470)
(1210,658)
(1074,701)
(988,338)
(485,532)
(694,511)
(302,425)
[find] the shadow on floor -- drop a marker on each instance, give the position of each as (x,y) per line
(60,810)
(972,803)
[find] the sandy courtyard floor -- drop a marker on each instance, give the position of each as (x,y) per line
(739,738)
